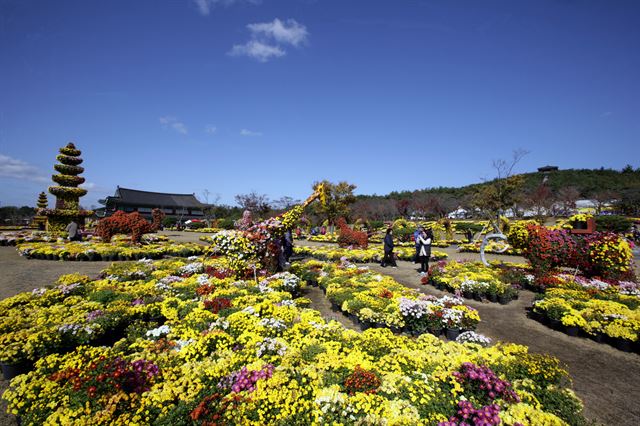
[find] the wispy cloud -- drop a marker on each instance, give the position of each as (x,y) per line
(88,185)
(205,6)
(268,39)
(257,50)
(288,32)
(247,132)
(606,114)
(18,169)
(172,122)
(210,130)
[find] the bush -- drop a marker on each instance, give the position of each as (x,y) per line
(403,230)
(601,254)
(618,224)
(375,224)
(124,223)
(225,223)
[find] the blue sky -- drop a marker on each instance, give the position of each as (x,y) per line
(234,96)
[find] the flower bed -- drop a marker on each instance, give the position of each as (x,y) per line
(19,237)
(327,238)
(491,247)
(241,352)
(604,311)
(117,250)
(361,255)
(378,300)
(203,230)
(477,281)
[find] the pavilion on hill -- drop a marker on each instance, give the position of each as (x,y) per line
(128,200)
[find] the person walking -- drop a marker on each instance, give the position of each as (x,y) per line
(287,245)
(425,240)
(72,231)
(388,250)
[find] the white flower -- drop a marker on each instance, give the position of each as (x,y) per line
(159,331)
(473,337)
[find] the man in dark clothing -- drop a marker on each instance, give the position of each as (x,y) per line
(287,245)
(388,250)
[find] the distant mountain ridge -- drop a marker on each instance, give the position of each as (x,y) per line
(586,181)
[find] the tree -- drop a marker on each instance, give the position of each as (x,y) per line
(285,203)
(209,210)
(567,198)
(254,202)
(403,206)
(504,191)
(629,202)
(540,200)
(339,196)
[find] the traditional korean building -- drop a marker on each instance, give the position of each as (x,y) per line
(182,206)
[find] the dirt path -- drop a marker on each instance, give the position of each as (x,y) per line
(605,378)
(18,274)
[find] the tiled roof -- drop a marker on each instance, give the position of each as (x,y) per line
(154,199)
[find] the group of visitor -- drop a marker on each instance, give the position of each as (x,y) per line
(422,238)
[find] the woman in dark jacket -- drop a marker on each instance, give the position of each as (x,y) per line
(388,250)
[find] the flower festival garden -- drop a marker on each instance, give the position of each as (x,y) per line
(217,333)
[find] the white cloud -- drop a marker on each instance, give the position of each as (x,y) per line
(287,32)
(211,130)
(606,114)
(268,39)
(18,169)
(205,6)
(257,50)
(178,126)
(246,132)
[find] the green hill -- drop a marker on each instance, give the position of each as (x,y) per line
(587,182)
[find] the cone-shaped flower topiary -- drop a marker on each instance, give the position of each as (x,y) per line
(39,220)
(67,192)
(42,201)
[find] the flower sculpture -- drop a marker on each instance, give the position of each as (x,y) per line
(257,245)
(67,193)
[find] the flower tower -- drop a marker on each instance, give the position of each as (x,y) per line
(67,192)
(39,220)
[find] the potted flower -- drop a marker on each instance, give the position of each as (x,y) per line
(507,295)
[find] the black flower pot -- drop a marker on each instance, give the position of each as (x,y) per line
(572,331)
(536,316)
(503,300)
(435,331)
(477,296)
(452,333)
(598,338)
(555,324)
(9,371)
(623,344)
(493,298)
(467,294)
